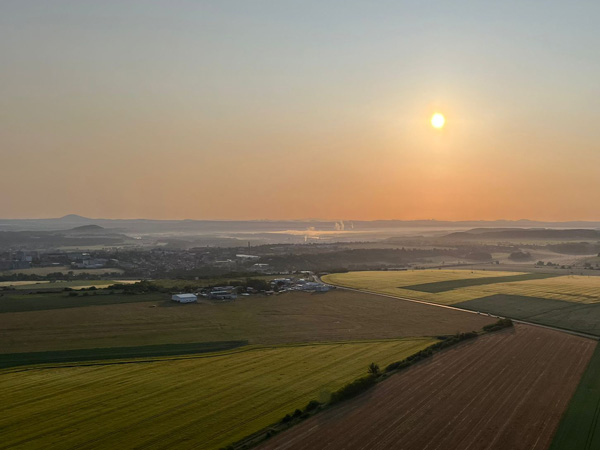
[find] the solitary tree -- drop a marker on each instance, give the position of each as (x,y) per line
(373,369)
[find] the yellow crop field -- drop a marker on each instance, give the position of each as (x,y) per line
(572,288)
(391,282)
(392,279)
(206,401)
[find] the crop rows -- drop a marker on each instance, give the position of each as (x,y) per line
(206,401)
(293,317)
(506,390)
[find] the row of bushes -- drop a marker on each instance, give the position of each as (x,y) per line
(311,407)
(84,293)
(354,388)
(499,325)
(145,287)
(56,276)
(426,353)
(362,384)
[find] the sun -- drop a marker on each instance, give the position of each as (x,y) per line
(438,121)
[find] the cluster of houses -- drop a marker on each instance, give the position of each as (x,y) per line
(290,284)
(277,285)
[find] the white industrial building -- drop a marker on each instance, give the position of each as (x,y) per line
(184,298)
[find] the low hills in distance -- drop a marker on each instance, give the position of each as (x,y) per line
(526,233)
(86,235)
(79,231)
(154,225)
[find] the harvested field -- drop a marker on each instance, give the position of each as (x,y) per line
(293,317)
(505,390)
(194,402)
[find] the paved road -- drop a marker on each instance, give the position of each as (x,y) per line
(576,333)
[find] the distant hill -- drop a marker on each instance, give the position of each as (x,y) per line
(72,217)
(525,233)
(88,229)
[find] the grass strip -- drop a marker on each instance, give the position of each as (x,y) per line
(444,286)
(49,301)
(8,360)
(578,428)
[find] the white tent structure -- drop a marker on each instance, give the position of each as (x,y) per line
(184,298)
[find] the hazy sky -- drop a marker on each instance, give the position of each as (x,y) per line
(300,109)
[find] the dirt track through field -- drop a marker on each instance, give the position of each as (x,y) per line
(505,390)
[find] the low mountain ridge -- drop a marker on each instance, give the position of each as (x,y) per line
(525,233)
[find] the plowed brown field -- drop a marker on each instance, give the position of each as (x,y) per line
(505,390)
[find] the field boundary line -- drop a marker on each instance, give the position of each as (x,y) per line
(191,356)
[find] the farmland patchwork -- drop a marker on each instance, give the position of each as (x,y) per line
(569,301)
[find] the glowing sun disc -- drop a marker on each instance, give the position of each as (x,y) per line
(437,120)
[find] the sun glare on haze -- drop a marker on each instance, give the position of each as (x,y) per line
(438,120)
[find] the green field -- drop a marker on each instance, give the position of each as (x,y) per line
(444,286)
(575,316)
(115,353)
(207,401)
(50,301)
(580,428)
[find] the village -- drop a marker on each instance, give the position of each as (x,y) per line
(274,287)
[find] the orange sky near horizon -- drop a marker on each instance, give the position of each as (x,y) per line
(219,112)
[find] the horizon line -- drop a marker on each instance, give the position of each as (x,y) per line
(77,216)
